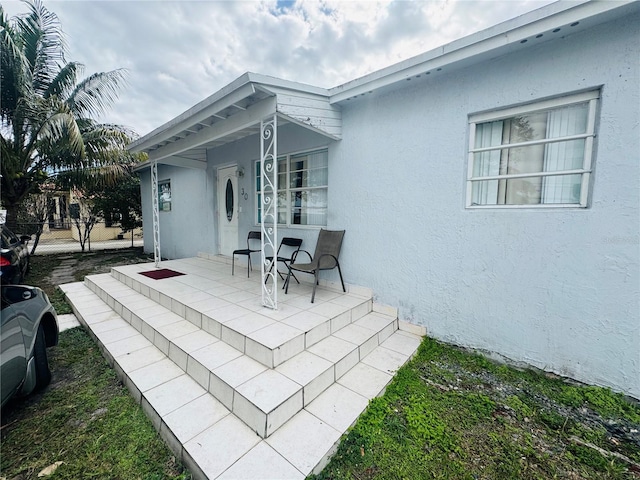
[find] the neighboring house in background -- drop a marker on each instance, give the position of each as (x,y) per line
(62,207)
(489,188)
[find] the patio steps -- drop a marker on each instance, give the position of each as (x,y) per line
(238,317)
(261,369)
(169,338)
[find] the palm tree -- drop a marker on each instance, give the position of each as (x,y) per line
(47,115)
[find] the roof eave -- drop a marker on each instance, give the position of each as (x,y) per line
(513,34)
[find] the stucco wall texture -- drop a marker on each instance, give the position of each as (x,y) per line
(555,288)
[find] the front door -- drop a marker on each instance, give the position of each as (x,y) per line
(228,209)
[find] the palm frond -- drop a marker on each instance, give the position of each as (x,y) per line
(13,68)
(43,44)
(65,81)
(105,176)
(96,93)
(60,136)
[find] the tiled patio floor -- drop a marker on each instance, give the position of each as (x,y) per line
(239,391)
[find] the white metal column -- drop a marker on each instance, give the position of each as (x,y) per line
(155,214)
(269,200)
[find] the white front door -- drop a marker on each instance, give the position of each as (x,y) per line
(228,209)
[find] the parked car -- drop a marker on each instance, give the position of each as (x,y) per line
(29,326)
(14,257)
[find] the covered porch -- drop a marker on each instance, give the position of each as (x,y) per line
(242,140)
(238,390)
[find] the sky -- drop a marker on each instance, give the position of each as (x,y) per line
(177,53)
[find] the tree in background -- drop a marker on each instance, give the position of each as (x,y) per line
(34,212)
(120,204)
(47,114)
(83,218)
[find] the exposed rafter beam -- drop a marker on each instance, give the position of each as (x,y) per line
(190,117)
(232,125)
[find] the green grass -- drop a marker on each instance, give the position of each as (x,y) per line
(454,415)
(85,419)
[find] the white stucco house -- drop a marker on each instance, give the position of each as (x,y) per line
(489,188)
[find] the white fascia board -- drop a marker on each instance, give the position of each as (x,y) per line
(175,161)
(509,33)
(265,81)
(295,121)
(233,124)
(236,91)
(142,166)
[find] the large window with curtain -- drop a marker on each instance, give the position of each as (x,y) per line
(302,189)
(535,155)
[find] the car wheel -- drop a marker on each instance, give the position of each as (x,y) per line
(43,374)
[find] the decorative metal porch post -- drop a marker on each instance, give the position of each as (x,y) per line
(269,200)
(155,214)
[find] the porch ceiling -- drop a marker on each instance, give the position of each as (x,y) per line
(233,113)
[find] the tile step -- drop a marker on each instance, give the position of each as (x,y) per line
(235,313)
(264,398)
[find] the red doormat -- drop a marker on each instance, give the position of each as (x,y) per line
(161,273)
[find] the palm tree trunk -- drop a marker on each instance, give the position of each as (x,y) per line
(12,216)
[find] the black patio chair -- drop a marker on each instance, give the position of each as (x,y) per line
(324,258)
(291,245)
(252,238)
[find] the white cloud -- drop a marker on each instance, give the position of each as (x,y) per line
(179,52)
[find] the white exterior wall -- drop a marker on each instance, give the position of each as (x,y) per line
(555,288)
(188,228)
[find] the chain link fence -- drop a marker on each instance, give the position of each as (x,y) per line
(77,236)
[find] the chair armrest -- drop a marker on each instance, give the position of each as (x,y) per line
(327,255)
(294,257)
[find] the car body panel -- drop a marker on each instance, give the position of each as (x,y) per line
(24,309)
(14,358)
(15,255)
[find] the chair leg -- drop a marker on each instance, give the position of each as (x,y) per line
(341,280)
(292,274)
(233,264)
(313,294)
(286,282)
(269,271)
(248,264)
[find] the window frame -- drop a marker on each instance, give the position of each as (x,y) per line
(591,98)
(287,188)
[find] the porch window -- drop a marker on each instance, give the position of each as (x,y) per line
(302,189)
(535,155)
(164,196)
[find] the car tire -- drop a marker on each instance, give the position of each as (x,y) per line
(43,374)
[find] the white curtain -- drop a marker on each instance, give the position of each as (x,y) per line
(487,163)
(564,155)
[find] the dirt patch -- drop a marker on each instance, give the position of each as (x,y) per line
(73,268)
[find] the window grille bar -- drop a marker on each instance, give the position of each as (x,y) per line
(529,175)
(544,141)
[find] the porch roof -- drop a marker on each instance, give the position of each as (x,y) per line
(235,112)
